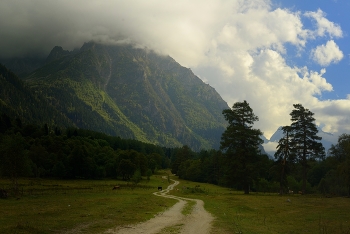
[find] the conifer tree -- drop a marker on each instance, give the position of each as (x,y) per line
(304,139)
(240,143)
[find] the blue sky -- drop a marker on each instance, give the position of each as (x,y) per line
(336,11)
(271,53)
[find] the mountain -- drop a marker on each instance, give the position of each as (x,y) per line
(19,101)
(327,139)
(132,93)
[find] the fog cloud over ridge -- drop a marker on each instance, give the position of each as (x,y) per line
(238,47)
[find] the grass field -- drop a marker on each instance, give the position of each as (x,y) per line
(269,213)
(81,206)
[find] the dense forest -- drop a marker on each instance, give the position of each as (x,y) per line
(40,151)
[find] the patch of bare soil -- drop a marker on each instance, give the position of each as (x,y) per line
(172,220)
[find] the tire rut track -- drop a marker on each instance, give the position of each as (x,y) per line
(198,221)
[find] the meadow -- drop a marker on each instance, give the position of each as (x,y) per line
(86,206)
(269,213)
(79,206)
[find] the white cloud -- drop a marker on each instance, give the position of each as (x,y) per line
(324,26)
(327,54)
(270,148)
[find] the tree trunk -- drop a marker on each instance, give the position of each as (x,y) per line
(281,181)
(246,189)
(304,177)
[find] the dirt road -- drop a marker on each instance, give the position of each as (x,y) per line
(172,220)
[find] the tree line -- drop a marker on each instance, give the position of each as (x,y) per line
(299,165)
(28,150)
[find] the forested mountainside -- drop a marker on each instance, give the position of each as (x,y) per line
(132,93)
(19,101)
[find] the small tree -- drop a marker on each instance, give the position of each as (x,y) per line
(285,156)
(304,139)
(136,178)
(240,143)
(149,174)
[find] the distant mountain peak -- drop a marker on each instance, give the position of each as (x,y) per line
(327,138)
(56,53)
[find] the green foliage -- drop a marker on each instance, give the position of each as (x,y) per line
(149,174)
(136,178)
(182,155)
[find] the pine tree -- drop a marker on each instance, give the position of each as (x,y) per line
(240,145)
(304,139)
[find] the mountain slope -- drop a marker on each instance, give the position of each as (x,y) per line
(132,93)
(17,100)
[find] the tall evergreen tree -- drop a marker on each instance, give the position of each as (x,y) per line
(304,139)
(240,145)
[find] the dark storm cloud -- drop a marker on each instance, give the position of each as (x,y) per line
(34,27)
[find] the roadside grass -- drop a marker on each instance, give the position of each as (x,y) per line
(188,207)
(79,206)
(176,229)
(269,213)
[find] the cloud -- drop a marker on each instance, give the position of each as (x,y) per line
(324,26)
(238,47)
(327,54)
